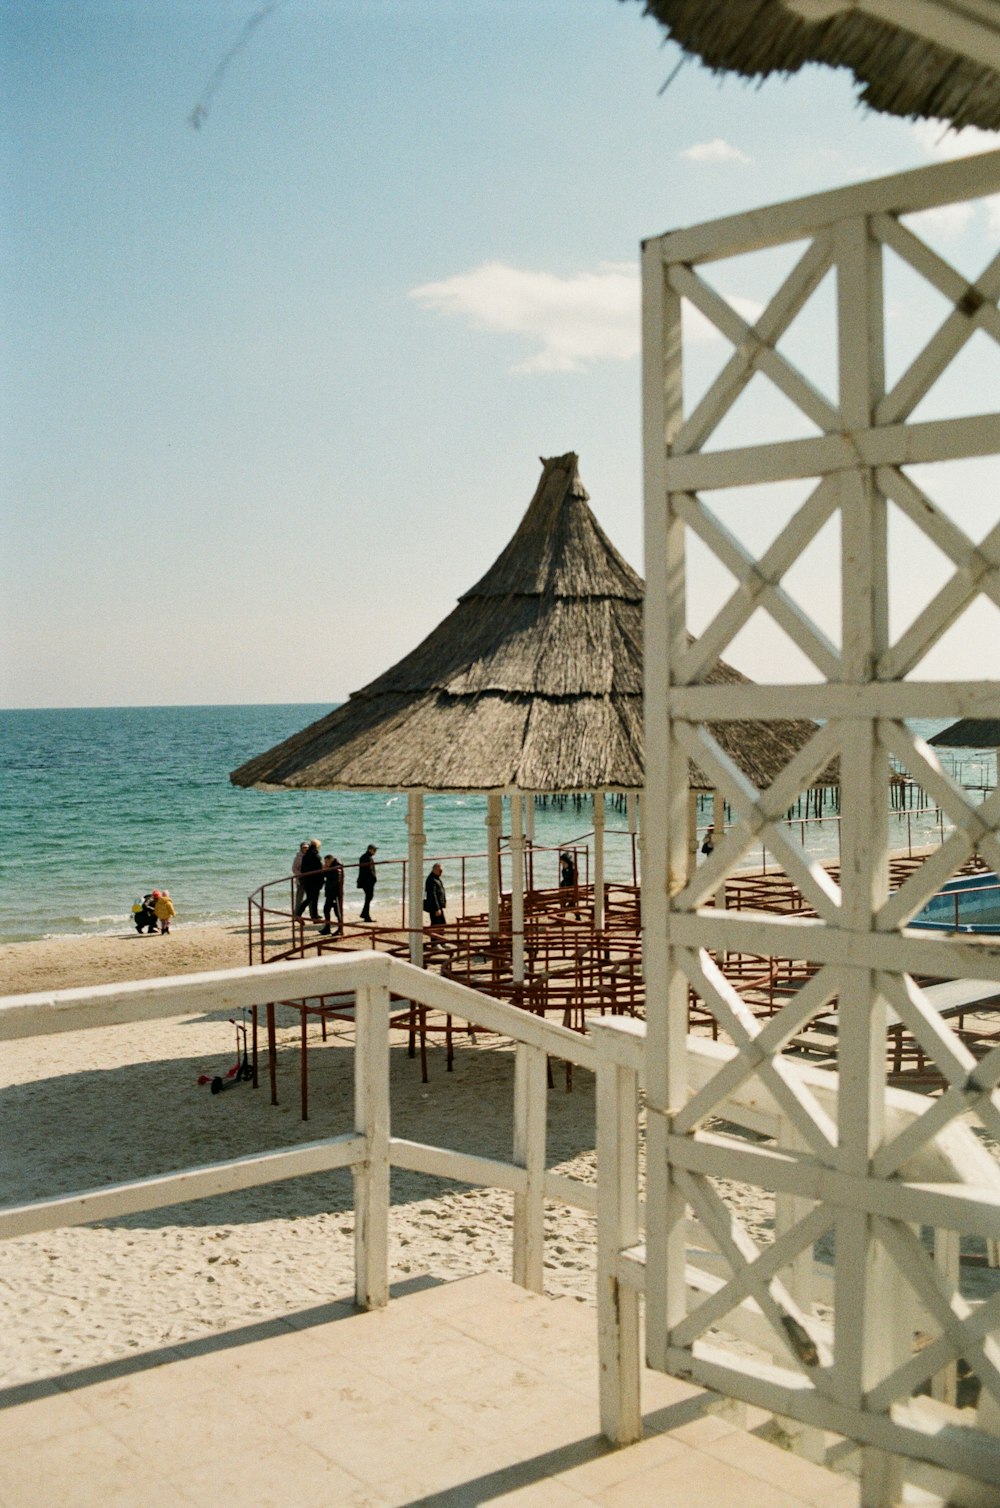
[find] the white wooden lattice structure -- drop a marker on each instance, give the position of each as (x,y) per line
(838,1173)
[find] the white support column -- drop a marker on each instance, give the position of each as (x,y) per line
(617,1230)
(599,824)
(692,832)
(530,1107)
(719,831)
(529,838)
(371,1120)
(517,886)
(494,825)
(664,807)
(416,842)
(868,1311)
(635,836)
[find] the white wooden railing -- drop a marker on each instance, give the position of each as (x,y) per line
(614,1051)
(370,1150)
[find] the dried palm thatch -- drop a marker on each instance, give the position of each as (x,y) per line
(969,733)
(532,683)
(899,71)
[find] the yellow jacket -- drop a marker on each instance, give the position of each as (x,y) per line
(164,908)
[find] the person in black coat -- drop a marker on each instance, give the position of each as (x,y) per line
(367,880)
(145,919)
(312,880)
(333,894)
(435,899)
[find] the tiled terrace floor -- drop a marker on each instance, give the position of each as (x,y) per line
(462,1393)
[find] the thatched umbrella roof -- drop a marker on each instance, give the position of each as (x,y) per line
(532,683)
(969,733)
(900,70)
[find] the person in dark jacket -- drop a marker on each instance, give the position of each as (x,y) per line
(367,880)
(435,899)
(144,912)
(312,880)
(333,894)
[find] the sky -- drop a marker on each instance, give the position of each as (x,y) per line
(294,297)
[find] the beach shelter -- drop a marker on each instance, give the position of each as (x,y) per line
(971,733)
(532,684)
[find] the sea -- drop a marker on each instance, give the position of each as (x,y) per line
(99,805)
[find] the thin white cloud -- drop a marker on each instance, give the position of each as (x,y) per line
(713,151)
(592,316)
(578,320)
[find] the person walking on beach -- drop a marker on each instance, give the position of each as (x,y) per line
(300,854)
(708,846)
(164,908)
(333,894)
(567,871)
(312,880)
(435,898)
(367,880)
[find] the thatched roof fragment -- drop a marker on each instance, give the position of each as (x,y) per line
(532,683)
(969,733)
(899,71)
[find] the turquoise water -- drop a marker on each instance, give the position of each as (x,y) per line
(98,805)
(102,804)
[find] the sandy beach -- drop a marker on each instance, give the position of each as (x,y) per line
(92,1107)
(87,1108)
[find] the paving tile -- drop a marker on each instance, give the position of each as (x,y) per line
(547,1494)
(659,1391)
(211,1434)
(703,1432)
(379,1439)
(473,1392)
(771,1464)
(142,1388)
(613,1466)
(86,1468)
(846,1495)
(693,1480)
(28,1424)
(288,1473)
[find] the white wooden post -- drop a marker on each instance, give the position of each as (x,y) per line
(494,824)
(947,1258)
(617,1230)
(530,1114)
(599,825)
(517,886)
(416,844)
(866,1296)
(371,1120)
(664,809)
(719,832)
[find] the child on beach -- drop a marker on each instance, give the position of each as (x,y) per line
(164,908)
